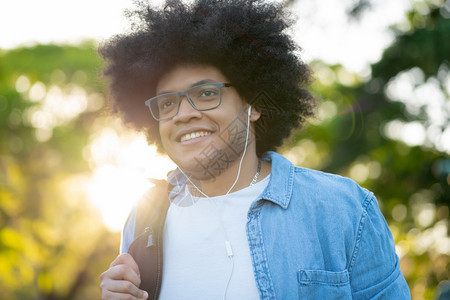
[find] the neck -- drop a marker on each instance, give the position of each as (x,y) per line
(222,184)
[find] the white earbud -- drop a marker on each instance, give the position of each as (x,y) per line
(249,110)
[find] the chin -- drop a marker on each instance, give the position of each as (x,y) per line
(206,164)
(196,169)
(197,174)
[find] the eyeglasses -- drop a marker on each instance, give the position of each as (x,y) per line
(202,97)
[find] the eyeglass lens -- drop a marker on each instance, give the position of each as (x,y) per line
(202,97)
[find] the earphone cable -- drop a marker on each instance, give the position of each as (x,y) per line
(227,242)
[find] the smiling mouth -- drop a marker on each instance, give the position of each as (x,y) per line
(194,135)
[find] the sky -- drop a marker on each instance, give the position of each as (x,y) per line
(322,30)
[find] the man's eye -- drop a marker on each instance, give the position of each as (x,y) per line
(208,93)
(166,104)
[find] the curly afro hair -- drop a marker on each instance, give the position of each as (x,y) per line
(244,39)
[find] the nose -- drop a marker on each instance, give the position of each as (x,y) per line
(186,111)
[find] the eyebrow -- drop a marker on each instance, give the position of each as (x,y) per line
(203,81)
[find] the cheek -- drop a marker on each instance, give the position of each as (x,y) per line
(234,130)
(163,134)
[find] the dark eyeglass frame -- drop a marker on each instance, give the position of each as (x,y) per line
(220,85)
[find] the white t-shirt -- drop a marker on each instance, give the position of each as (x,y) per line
(196,265)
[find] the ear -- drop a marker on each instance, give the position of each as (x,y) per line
(254,115)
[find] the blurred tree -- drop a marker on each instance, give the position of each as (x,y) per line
(53,245)
(390,132)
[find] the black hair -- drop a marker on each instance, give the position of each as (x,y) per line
(245,39)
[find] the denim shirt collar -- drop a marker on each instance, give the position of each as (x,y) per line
(279,189)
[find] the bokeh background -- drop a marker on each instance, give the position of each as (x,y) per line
(70,171)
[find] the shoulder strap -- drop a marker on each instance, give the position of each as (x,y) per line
(146,248)
(152,206)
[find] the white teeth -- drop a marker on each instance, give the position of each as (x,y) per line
(194,135)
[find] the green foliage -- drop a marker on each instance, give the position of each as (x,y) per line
(430,41)
(53,244)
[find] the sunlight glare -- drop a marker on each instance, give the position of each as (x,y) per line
(37,92)
(122,162)
(22,84)
(421,96)
(114,190)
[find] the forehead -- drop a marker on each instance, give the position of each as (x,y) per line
(183,77)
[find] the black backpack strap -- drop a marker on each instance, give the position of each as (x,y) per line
(146,248)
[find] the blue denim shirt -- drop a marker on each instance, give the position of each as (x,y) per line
(314,235)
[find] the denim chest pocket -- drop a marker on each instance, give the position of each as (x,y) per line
(318,284)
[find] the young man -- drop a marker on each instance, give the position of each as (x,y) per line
(224,87)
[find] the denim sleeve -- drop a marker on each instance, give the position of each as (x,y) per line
(374,267)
